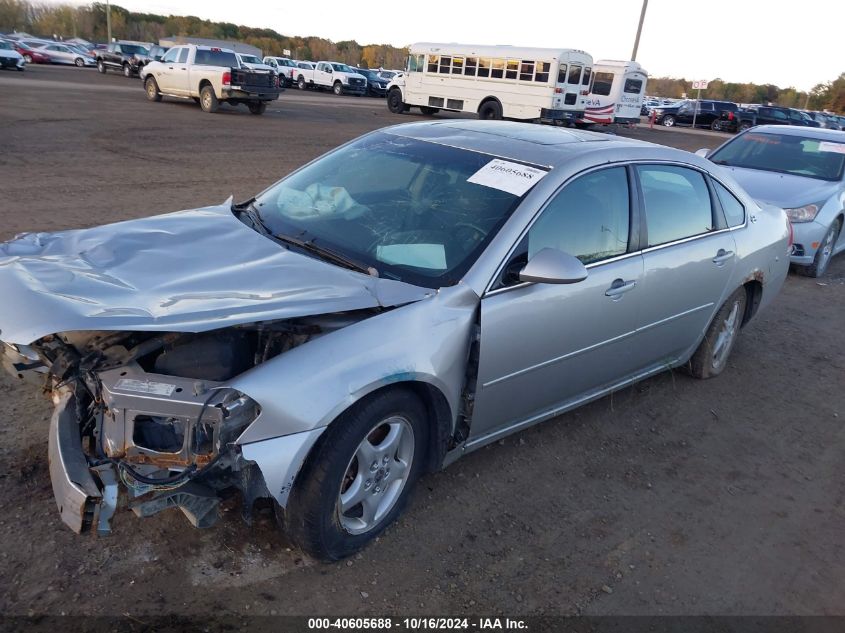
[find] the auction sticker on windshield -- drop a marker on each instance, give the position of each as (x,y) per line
(507,176)
(827,146)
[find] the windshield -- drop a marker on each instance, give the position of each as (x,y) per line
(134,49)
(403,206)
(342,68)
(784,153)
(250,59)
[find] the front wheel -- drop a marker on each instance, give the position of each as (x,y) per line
(151,88)
(711,357)
(337,88)
(79,62)
(127,71)
(300,83)
(257,107)
(208,100)
(101,66)
(825,252)
(394,101)
(490,111)
(716,125)
(359,475)
(668,120)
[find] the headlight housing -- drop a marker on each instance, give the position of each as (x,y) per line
(807,213)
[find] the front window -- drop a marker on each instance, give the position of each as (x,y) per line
(250,59)
(406,207)
(341,68)
(183,56)
(785,154)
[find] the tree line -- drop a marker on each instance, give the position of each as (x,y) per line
(89,22)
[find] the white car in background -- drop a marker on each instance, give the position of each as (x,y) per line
(253,63)
(10,58)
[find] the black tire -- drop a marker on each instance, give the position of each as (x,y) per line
(313,518)
(822,259)
(394,101)
(490,111)
(428,111)
(711,357)
(27,59)
(716,125)
(257,107)
(101,66)
(301,83)
(745,125)
(667,121)
(79,62)
(208,100)
(196,100)
(337,88)
(127,70)
(151,88)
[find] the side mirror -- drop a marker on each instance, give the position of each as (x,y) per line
(551,266)
(328,69)
(703,152)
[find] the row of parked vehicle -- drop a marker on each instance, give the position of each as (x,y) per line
(731,117)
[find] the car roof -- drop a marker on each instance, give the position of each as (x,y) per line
(820,133)
(542,145)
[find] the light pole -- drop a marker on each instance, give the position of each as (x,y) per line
(639,30)
(108,22)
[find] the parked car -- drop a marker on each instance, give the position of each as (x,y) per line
(63,54)
(29,54)
(339,77)
(772,115)
(285,67)
(154,54)
(376,86)
(824,119)
(210,75)
(388,74)
(254,63)
(705,113)
(802,170)
(10,58)
(406,299)
(120,56)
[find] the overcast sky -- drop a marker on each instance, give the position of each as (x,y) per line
(796,45)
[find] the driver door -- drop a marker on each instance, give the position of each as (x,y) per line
(545,346)
(164,74)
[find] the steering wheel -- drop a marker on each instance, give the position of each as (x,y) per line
(469,234)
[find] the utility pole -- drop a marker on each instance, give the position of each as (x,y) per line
(108,22)
(639,31)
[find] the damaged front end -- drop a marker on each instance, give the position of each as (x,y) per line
(145,421)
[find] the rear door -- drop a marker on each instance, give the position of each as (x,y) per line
(689,259)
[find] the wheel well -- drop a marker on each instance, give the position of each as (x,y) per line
(204,83)
(753,293)
(488,100)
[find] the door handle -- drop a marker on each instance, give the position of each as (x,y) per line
(722,256)
(619,287)
(170,67)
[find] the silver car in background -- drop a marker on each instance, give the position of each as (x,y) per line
(408,298)
(801,170)
(65,54)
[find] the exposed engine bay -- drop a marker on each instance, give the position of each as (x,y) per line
(145,421)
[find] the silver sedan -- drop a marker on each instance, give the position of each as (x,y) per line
(802,170)
(64,54)
(406,299)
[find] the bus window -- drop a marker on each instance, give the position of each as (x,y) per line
(513,68)
(586,80)
(457,65)
(470,66)
(484,67)
(574,75)
(526,71)
(561,74)
(542,74)
(602,83)
(433,61)
(498,69)
(445,63)
(416,63)
(633,86)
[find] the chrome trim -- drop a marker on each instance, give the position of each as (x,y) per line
(651,249)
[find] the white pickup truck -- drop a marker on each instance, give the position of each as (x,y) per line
(209,76)
(339,77)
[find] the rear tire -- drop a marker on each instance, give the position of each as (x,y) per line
(490,111)
(208,100)
(151,88)
(337,88)
(668,121)
(301,83)
(711,357)
(823,256)
(394,101)
(389,428)
(716,125)
(257,107)
(127,71)
(79,62)
(101,66)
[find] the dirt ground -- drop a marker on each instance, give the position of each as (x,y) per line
(671,497)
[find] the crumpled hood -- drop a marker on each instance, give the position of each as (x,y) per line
(189,271)
(782,190)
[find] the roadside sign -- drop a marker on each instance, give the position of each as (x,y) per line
(699,85)
(286,52)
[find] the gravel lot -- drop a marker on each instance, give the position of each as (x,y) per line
(671,497)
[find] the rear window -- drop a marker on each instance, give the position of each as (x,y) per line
(633,86)
(208,57)
(602,83)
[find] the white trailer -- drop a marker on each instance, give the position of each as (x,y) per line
(617,90)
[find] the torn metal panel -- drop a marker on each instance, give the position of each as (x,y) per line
(190,271)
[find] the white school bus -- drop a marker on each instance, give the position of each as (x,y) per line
(493,82)
(617,89)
